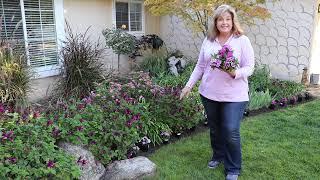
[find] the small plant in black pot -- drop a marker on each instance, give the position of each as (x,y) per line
(300,98)
(132,152)
(283,102)
(273,104)
(293,100)
(143,144)
(178,134)
(307,96)
(165,136)
(246,112)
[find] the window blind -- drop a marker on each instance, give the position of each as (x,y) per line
(41,34)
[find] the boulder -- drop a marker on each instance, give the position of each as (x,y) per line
(135,168)
(90,168)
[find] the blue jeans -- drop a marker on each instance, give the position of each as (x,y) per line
(224,122)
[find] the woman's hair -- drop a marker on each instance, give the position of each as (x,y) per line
(213,31)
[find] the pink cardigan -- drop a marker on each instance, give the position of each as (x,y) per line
(218,85)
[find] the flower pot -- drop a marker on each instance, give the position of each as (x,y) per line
(272,106)
(166,141)
(178,135)
(205,123)
(246,113)
(307,96)
(300,98)
(193,128)
(143,147)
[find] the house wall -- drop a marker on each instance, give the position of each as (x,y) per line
(315,54)
(97,14)
(283,42)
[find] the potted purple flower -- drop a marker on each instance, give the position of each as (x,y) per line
(300,98)
(165,135)
(293,100)
(273,104)
(283,102)
(307,96)
(143,144)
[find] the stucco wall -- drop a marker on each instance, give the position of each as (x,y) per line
(97,14)
(282,42)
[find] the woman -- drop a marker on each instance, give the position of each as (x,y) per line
(224,94)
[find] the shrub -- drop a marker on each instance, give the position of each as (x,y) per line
(259,99)
(81,66)
(282,88)
(155,63)
(260,79)
(15,76)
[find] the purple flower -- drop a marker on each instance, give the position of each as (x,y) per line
(127,111)
(2,109)
(55,132)
(79,128)
(274,102)
(87,100)
(50,164)
(135,117)
(12,160)
(49,122)
(8,136)
(117,101)
(82,161)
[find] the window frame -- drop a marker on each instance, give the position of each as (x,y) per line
(114,23)
(58,13)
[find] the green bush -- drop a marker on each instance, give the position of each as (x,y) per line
(284,89)
(259,99)
(260,79)
(28,150)
(155,63)
(165,79)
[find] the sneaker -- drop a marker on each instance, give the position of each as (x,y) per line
(213,164)
(232,177)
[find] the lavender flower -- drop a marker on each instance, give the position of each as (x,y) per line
(51,164)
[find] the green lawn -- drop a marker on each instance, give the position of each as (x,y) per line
(284,144)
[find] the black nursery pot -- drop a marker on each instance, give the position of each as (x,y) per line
(307,96)
(178,135)
(272,106)
(246,112)
(143,147)
(300,98)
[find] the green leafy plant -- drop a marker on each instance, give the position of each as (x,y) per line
(154,63)
(260,79)
(285,89)
(81,64)
(259,99)
(28,150)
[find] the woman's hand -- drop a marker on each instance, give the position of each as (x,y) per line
(185,92)
(232,73)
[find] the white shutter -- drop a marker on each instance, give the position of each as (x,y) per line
(41,32)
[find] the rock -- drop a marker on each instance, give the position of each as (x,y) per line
(90,168)
(176,65)
(135,168)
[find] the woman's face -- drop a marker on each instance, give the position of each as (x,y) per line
(224,23)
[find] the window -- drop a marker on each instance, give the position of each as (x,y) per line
(32,22)
(129,15)
(41,34)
